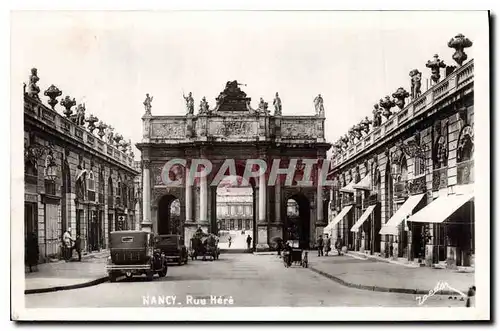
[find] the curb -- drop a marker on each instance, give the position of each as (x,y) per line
(377,288)
(68,287)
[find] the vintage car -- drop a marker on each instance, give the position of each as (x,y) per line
(133,253)
(172,246)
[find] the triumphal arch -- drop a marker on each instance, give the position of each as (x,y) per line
(232,130)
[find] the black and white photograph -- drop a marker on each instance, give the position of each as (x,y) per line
(250,165)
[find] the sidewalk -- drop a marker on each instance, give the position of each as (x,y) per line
(62,275)
(370,274)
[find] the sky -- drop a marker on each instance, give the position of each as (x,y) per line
(110,60)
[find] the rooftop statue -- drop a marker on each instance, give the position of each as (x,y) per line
(109,134)
(377,118)
(147,104)
(277,105)
(33,89)
(262,106)
(80,114)
(91,123)
(416,77)
(318,105)
(203,106)
(101,127)
(189,103)
(365,124)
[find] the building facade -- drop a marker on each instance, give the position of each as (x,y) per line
(232,129)
(74,178)
(404,179)
(234,209)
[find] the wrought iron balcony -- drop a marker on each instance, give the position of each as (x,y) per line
(401,190)
(31,179)
(465,172)
(440,179)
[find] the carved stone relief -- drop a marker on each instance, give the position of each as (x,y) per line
(168,130)
(305,129)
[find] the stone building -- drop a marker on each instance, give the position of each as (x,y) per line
(404,180)
(232,129)
(74,177)
(234,208)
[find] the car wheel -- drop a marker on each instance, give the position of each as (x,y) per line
(112,277)
(149,275)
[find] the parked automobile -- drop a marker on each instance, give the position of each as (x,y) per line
(133,253)
(172,245)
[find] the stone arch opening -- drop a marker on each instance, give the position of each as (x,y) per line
(169,221)
(235,212)
(298,216)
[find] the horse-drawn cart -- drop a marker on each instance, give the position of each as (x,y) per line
(204,245)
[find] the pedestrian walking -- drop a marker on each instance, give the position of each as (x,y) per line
(78,247)
(67,245)
(320,245)
(249,241)
(279,247)
(229,241)
(338,246)
(328,245)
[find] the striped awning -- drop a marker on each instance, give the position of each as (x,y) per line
(363,218)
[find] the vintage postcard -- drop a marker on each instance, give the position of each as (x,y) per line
(261,165)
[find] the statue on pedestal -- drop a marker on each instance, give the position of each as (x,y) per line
(189,103)
(262,106)
(147,104)
(277,105)
(377,118)
(80,114)
(416,77)
(318,105)
(33,89)
(203,106)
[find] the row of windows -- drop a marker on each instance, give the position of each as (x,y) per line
(234,210)
(235,224)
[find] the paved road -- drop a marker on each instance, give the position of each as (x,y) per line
(249,280)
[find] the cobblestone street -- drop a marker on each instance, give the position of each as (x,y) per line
(250,280)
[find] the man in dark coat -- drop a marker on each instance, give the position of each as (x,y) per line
(320,245)
(249,241)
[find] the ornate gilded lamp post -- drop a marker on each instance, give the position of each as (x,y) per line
(387,104)
(67,103)
(400,95)
(52,92)
(435,65)
(459,42)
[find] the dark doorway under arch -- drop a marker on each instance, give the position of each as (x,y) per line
(298,225)
(169,215)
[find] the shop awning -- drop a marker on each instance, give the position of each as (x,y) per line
(364,184)
(441,208)
(363,218)
(348,188)
(337,218)
(391,227)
